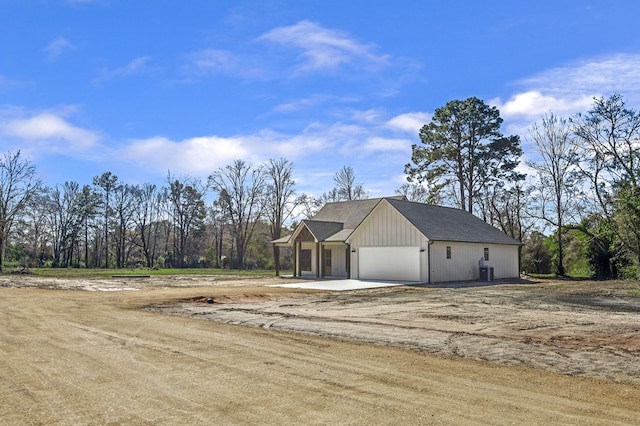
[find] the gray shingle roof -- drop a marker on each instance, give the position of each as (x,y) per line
(350,213)
(323,230)
(336,222)
(449,224)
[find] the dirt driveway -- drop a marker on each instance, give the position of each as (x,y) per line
(534,353)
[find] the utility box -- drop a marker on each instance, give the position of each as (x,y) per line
(486,273)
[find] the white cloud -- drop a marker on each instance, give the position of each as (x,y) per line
(6,83)
(200,156)
(324,49)
(215,60)
(194,156)
(299,104)
(136,66)
(381,144)
(308,149)
(410,122)
(370,116)
(49,131)
(534,103)
(219,61)
(597,76)
(57,47)
(570,89)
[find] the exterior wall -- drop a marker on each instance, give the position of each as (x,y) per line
(385,227)
(464,265)
(338,259)
(314,259)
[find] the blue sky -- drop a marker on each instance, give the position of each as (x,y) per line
(140,88)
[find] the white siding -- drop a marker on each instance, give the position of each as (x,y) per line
(314,259)
(385,227)
(338,259)
(464,262)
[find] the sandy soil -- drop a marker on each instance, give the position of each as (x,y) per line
(158,353)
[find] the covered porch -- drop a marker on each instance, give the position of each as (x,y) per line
(319,250)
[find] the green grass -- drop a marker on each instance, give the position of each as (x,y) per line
(569,277)
(107,273)
(542,276)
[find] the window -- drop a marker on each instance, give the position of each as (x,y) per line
(448,252)
(486,254)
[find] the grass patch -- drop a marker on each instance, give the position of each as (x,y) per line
(576,277)
(107,273)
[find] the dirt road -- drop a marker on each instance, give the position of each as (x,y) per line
(110,357)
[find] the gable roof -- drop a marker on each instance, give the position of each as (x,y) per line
(350,213)
(324,225)
(439,223)
(337,221)
(322,230)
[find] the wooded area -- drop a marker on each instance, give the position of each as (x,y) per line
(574,203)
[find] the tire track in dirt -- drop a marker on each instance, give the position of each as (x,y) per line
(97,358)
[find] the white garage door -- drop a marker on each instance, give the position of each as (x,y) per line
(389,263)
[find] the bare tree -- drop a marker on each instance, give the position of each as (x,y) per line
(240,187)
(309,205)
(36,228)
(146,219)
(123,209)
(88,209)
(106,183)
(217,220)
(188,213)
(346,188)
(280,200)
(419,192)
(609,140)
(557,172)
(64,221)
(18,184)
(509,209)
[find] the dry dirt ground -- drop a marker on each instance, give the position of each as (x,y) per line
(153,351)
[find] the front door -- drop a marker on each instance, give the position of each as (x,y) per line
(326,268)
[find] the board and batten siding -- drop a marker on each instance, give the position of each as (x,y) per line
(464,262)
(314,259)
(338,259)
(386,227)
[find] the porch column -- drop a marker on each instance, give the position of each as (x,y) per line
(317,260)
(296,266)
(348,261)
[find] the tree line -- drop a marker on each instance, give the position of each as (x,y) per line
(581,183)
(573,202)
(112,224)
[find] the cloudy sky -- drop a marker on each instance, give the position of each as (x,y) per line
(140,88)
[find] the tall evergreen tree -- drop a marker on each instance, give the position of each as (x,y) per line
(463,150)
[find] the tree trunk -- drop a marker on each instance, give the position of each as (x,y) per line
(276,259)
(2,250)
(560,267)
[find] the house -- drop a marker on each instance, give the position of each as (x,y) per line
(399,240)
